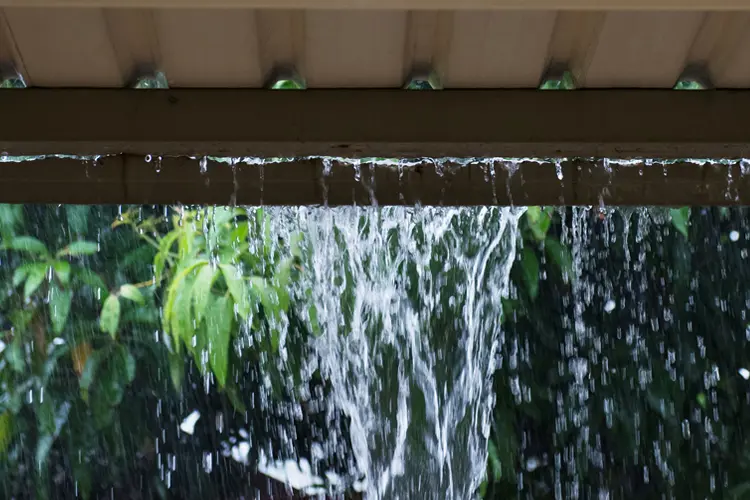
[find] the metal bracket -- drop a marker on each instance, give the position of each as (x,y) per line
(694,77)
(558,77)
(150,78)
(286,78)
(424,78)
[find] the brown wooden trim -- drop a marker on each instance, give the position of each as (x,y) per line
(127,179)
(400,4)
(378,123)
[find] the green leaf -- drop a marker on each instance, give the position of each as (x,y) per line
(219,327)
(176,370)
(681,219)
(701,399)
(533,214)
(37,274)
(295,245)
(282,280)
(181,320)
(14,355)
(271,307)
(541,226)
(59,307)
(90,278)
(238,289)
(530,266)
(6,431)
(11,217)
(110,316)
(160,262)
(131,293)
(560,255)
(90,368)
(79,248)
(202,291)
(50,422)
(78,218)
(125,364)
(28,244)
(494,460)
(20,274)
(312,312)
(175,287)
(62,271)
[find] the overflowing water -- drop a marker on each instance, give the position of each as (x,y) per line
(409,301)
(402,352)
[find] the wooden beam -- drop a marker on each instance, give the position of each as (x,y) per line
(378,123)
(712,5)
(127,179)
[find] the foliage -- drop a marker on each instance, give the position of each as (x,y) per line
(80,392)
(655,316)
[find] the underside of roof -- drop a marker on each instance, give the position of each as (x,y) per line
(485,44)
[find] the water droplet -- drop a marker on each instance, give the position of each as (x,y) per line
(734,235)
(609,306)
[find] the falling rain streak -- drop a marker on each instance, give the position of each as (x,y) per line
(400,351)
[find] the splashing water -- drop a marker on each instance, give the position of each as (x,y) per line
(415,384)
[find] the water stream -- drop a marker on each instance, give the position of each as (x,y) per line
(402,352)
(410,304)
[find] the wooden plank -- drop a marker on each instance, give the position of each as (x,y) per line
(127,179)
(355,49)
(66,48)
(208,47)
(377,123)
(498,49)
(641,49)
(653,5)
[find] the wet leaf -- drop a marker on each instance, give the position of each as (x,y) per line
(37,275)
(295,245)
(59,307)
(90,278)
(182,320)
(494,460)
(125,364)
(539,222)
(109,319)
(159,262)
(701,400)
(79,356)
(560,255)
(79,248)
(530,266)
(282,280)
(6,431)
(78,218)
(51,422)
(20,274)
(93,360)
(238,288)
(219,327)
(176,370)
(62,271)
(312,312)
(681,219)
(28,244)
(202,291)
(131,293)
(14,356)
